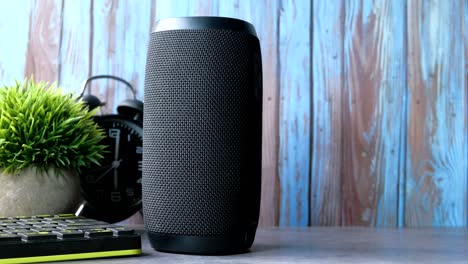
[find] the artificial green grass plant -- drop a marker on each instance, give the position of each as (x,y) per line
(42,127)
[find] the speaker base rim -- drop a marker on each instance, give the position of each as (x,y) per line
(202,245)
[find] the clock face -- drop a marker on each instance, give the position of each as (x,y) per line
(115,186)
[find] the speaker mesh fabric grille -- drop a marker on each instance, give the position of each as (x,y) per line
(197,113)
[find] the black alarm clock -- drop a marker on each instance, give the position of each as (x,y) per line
(112,191)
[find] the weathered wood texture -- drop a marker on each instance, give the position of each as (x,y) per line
(436,185)
(327,89)
(75,51)
(373,111)
(45,29)
(465,33)
(119,45)
(13,39)
(365,102)
(294,120)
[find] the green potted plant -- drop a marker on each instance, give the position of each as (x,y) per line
(46,137)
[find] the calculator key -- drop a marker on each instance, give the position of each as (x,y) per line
(64,215)
(42,216)
(80,220)
(35,236)
(65,234)
(50,222)
(105,226)
(83,228)
(96,223)
(9,237)
(77,224)
(121,231)
(45,225)
(17,226)
(68,228)
(22,218)
(47,229)
(8,221)
(98,233)
(16,231)
(93,229)
(25,219)
(31,222)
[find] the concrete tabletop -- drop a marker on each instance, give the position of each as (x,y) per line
(330,245)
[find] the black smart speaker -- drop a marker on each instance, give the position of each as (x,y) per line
(202,135)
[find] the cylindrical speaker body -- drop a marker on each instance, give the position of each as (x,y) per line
(202,135)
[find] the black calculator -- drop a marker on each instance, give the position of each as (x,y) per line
(46,238)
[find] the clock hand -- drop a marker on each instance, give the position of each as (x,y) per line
(117,147)
(116,179)
(115,164)
(116,175)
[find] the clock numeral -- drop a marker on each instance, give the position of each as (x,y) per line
(116,197)
(139,150)
(130,192)
(114,133)
(140,165)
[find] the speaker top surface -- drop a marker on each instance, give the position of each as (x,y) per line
(204,22)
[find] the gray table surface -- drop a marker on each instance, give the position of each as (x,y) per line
(330,245)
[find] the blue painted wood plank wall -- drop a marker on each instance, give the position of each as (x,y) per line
(294,122)
(365,102)
(327,73)
(374,97)
(465,31)
(437,134)
(13,39)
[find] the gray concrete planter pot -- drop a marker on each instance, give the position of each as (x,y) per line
(32,192)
